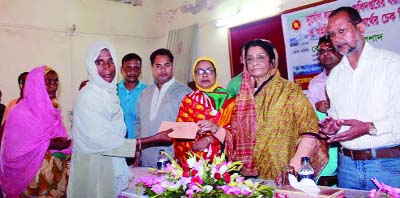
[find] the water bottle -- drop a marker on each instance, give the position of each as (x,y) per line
(306,170)
(162,160)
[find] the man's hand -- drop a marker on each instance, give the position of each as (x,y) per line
(322,106)
(202,143)
(357,129)
(163,136)
(329,125)
(159,139)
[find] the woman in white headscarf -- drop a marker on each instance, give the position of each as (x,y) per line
(98,167)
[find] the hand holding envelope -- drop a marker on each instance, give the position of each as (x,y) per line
(181,130)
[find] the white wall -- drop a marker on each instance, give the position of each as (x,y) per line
(214,41)
(34,33)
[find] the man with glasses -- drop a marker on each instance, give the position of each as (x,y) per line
(364,93)
(328,58)
(129,90)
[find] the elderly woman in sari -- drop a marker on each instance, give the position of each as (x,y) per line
(35,147)
(270,115)
(210,106)
(98,166)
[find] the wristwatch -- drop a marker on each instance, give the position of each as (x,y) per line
(372,130)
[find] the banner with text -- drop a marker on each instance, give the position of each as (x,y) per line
(303,28)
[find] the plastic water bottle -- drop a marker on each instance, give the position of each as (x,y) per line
(162,160)
(306,170)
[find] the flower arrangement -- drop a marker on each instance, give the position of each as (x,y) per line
(203,178)
(388,191)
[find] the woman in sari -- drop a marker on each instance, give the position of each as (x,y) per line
(35,147)
(98,166)
(210,106)
(270,115)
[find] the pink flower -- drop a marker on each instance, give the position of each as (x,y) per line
(193,189)
(197,179)
(372,193)
(158,189)
(146,181)
(230,190)
(392,191)
(185,181)
(240,179)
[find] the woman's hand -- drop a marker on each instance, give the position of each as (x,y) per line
(59,143)
(296,163)
(202,143)
(207,125)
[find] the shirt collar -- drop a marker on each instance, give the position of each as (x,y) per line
(121,84)
(167,84)
(365,53)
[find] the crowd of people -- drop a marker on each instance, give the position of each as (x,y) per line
(348,123)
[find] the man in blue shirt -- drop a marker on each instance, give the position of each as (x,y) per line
(129,90)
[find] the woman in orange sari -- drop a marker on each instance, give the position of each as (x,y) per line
(210,106)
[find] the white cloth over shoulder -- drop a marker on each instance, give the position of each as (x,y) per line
(98,131)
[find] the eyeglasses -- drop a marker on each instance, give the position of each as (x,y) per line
(326,50)
(204,71)
(340,32)
(259,57)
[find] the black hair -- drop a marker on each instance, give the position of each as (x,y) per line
(161,51)
(20,77)
(324,39)
(267,46)
(131,56)
(354,16)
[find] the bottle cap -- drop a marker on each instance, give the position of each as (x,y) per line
(307,159)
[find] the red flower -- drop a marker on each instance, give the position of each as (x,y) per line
(185,174)
(227,177)
(217,176)
(197,179)
(185,168)
(194,172)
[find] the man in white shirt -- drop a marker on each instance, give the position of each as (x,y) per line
(328,58)
(364,93)
(158,102)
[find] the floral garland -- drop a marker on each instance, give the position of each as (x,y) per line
(200,177)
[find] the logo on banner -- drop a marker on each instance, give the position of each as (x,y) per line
(296,25)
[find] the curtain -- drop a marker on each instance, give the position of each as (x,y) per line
(181,43)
